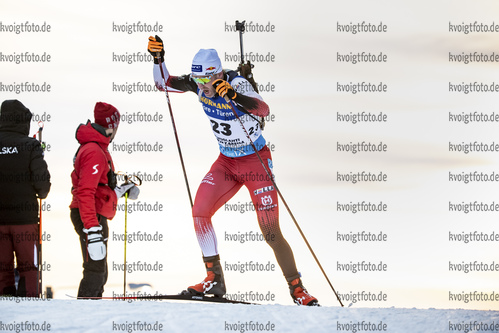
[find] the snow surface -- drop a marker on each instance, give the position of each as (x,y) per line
(182,316)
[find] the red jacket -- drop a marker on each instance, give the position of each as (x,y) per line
(91,194)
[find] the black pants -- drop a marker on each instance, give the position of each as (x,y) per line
(94,272)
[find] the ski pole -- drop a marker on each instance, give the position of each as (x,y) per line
(39,284)
(124,256)
(282,198)
(137,182)
(175,131)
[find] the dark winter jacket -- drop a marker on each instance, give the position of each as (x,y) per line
(91,193)
(24,176)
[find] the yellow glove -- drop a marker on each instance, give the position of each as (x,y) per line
(154,46)
(224,88)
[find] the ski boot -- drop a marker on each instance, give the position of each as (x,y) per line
(300,295)
(214,283)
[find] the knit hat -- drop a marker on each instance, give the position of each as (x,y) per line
(106,115)
(206,62)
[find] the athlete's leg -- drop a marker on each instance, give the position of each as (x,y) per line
(217,187)
(265,199)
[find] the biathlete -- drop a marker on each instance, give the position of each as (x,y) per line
(237,164)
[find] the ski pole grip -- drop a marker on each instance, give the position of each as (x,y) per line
(40,129)
(240,26)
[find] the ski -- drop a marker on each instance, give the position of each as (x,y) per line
(179,297)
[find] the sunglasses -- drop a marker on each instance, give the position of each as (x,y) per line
(202,80)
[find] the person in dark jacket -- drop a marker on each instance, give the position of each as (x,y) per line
(24,178)
(95,195)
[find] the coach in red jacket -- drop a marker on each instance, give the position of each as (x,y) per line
(95,195)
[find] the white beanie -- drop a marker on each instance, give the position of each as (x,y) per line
(206,62)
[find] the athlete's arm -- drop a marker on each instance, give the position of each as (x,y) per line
(173,83)
(248,98)
(252,105)
(182,83)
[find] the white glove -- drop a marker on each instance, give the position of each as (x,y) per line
(95,243)
(133,191)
